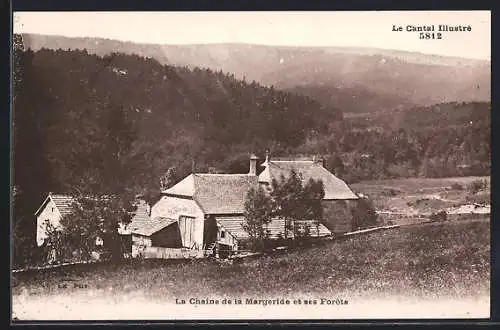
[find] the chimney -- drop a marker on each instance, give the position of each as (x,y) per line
(253,165)
(267,159)
(318,160)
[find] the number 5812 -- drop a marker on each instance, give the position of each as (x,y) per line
(429,35)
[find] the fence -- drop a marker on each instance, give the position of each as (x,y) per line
(171,253)
(369,230)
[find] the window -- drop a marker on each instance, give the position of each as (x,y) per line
(222,234)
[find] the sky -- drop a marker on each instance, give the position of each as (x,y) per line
(371,29)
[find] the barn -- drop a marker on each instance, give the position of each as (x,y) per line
(190,209)
(339,199)
(206,210)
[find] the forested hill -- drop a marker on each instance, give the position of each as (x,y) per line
(73,110)
(71,102)
(443,115)
(359,80)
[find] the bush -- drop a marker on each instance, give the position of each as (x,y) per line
(457,186)
(438,216)
(390,192)
(364,214)
(479,198)
(477,185)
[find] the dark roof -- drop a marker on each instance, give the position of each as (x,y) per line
(142,212)
(62,202)
(335,188)
(149,227)
(216,193)
(64,205)
(234,225)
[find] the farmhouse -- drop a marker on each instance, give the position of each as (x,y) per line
(56,206)
(338,200)
(185,216)
(53,208)
(205,211)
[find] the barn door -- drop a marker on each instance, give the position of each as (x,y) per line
(187,227)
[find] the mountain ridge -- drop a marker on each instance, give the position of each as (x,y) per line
(382,79)
(442,59)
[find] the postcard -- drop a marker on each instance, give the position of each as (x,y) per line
(329,165)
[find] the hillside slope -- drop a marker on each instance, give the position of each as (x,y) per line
(439,262)
(121,121)
(176,114)
(384,79)
(71,102)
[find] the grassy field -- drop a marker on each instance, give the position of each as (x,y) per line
(422,261)
(419,262)
(421,196)
(416,185)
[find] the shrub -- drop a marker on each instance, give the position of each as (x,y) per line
(457,186)
(478,198)
(439,216)
(91,218)
(390,192)
(364,214)
(477,185)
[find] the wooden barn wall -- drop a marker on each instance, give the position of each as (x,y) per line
(337,215)
(174,207)
(168,237)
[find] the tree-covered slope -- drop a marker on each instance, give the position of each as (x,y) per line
(380,79)
(119,122)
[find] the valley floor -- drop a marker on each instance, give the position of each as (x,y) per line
(412,200)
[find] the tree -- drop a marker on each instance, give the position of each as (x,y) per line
(295,202)
(364,214)
(336,165)
(258,213)
(31,169)
(93,218)
(119,134)
(103,200)
(438,216)
(311,204)
(285,193)
(168,179)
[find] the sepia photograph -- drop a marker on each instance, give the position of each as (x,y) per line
(312,165)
